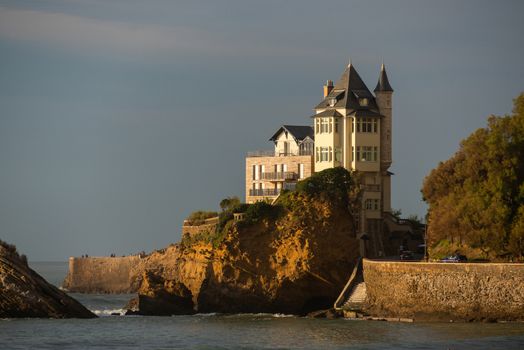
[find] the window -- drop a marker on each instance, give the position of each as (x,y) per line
(368,125)
(324,154)
(317,126)
(338,154)
(301,171)
(336,125)
(325,125)
(363,101)
(367,154)
(352,153)
(330,125)
(317,158)
(330,154)
(332,102)
(372,204)
(255,172)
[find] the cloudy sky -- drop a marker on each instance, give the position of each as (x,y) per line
(118,118)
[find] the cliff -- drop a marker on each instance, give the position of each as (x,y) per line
(440,291)
(292,259)
(24,293)
(103,274)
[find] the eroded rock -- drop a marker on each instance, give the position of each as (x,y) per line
(24,293)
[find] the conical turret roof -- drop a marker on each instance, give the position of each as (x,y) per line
(347,92)
(383,82)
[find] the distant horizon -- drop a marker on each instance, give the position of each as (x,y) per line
(119,120)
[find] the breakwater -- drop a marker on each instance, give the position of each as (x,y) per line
(103,274)
(440,291)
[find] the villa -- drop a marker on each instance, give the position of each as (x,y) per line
(352,128)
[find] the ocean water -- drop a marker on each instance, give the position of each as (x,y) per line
(245,331)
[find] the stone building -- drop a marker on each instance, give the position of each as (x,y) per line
(352,128)
(268,172)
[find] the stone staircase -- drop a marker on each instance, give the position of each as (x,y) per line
(357,297)
(353,297)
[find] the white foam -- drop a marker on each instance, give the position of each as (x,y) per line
(108,312)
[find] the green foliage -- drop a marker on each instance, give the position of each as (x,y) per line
(414,218)
(199,217)
(335,184)
(261,210)
(397,213)
(229,203)
(476,198)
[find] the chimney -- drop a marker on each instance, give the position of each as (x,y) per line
(328,87)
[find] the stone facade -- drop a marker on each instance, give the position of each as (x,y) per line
(445,291)
(266,176)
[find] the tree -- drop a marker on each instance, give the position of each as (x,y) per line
(476,198)
(229,203)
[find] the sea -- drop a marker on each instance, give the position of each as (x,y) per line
(240,331)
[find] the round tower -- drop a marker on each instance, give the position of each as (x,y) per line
(384,98)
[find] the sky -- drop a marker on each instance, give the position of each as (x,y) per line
(119,118)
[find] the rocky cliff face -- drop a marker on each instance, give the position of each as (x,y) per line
(294,264)
(24,293)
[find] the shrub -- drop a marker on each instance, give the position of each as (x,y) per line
(199,217)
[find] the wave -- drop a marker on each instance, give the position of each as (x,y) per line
(256,315)
(109,312)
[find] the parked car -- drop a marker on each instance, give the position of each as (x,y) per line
(456,258)
(407,255)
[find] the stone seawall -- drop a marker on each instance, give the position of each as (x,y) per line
(103,274)
(445,291)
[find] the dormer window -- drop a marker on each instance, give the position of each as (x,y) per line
(332,101)
(363,101)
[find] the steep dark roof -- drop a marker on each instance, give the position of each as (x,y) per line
(328,113)
(383,82)
(299,132)
(347,92)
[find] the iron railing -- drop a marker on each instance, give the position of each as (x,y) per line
(264,192)
(372,188)
(279,176)
(278,153)
(272,192)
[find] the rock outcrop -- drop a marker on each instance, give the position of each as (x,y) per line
(293,264)
(24,293)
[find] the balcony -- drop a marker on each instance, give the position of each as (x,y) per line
(279,176)
(279,153)
(272,192)
(372,188)
(264,192)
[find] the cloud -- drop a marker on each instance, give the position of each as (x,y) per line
(86,33)
(95,36)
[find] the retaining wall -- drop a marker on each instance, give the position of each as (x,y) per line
(103,274)
(445,291)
